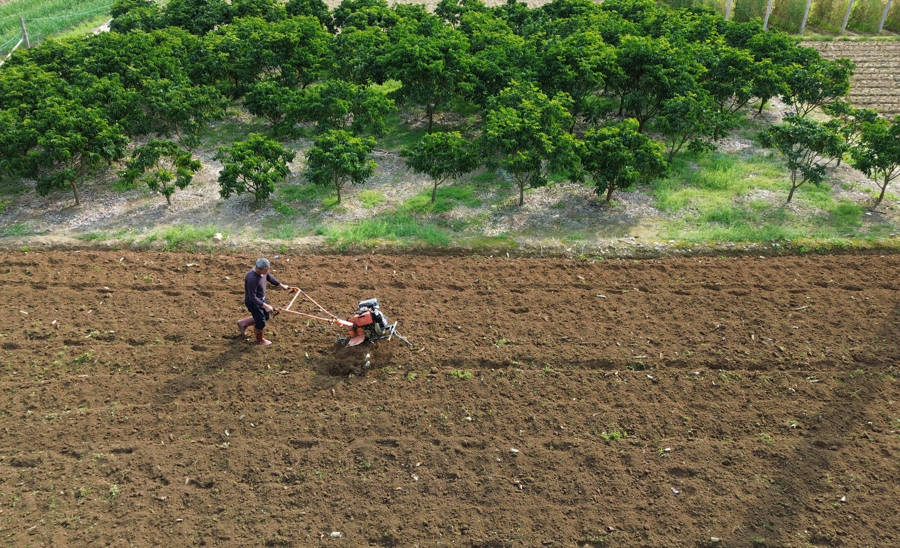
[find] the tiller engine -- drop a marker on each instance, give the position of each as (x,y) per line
(368,324)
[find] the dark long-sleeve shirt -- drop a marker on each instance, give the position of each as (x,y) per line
(255,287)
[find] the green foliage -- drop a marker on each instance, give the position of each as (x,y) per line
(270,10)
(709,195)
(128,15)
(338,104)
(163,166)
(687,120)
(578,63)
(338,157)
(816,84)
(786,14)
(442,156)
(807,147)
(180,109)
(877,153)
(431,60)
(460,374)
(197,16)
(359,54)
(497,54)
(313,8)
(452,11)
(273,101)
(364,13)
(729,79)
(527,134)
(614,435)
(652,72)
(618,156)
(66,141)
(297,50)
(254,165)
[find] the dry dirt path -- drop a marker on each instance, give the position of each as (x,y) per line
(757,399)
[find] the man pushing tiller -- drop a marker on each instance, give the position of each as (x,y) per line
(255,299)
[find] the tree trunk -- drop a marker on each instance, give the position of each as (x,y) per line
(521,194)
(762,104)
(75,191)
(337,185)
(430,110)
(609,191)
(168,198)
(881,196)
(434,192)
(791,194)
(621,105)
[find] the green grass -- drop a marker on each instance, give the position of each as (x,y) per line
(14,230)
(104,236)
(45,18)
(708,196)
(84,27)
(182,236)
(370,198)
(283,229)
(230,130)
(309,194)
(399,135)
(399,227)
(711,180)
(447,198)
(12,187)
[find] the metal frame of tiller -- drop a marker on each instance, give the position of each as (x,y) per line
(357,334)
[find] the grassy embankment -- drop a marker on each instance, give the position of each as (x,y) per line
(46,18)
(708,198)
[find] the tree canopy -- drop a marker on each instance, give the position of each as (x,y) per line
(338,157)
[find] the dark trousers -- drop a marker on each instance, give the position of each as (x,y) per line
(260,315)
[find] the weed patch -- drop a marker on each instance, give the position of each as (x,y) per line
(399,227)
(182,236)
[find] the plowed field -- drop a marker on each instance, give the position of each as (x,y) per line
(876,81)
(546,402)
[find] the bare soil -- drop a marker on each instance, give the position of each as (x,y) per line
(546,402)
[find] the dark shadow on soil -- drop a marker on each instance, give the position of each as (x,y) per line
(236,351)
(810,461)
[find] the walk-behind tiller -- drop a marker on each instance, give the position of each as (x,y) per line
(367,325)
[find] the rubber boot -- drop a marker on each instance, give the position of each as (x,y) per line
(260,339)
(244,323)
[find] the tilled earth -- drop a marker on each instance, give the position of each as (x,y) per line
(679,402)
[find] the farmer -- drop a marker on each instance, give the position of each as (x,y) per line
(255,299)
